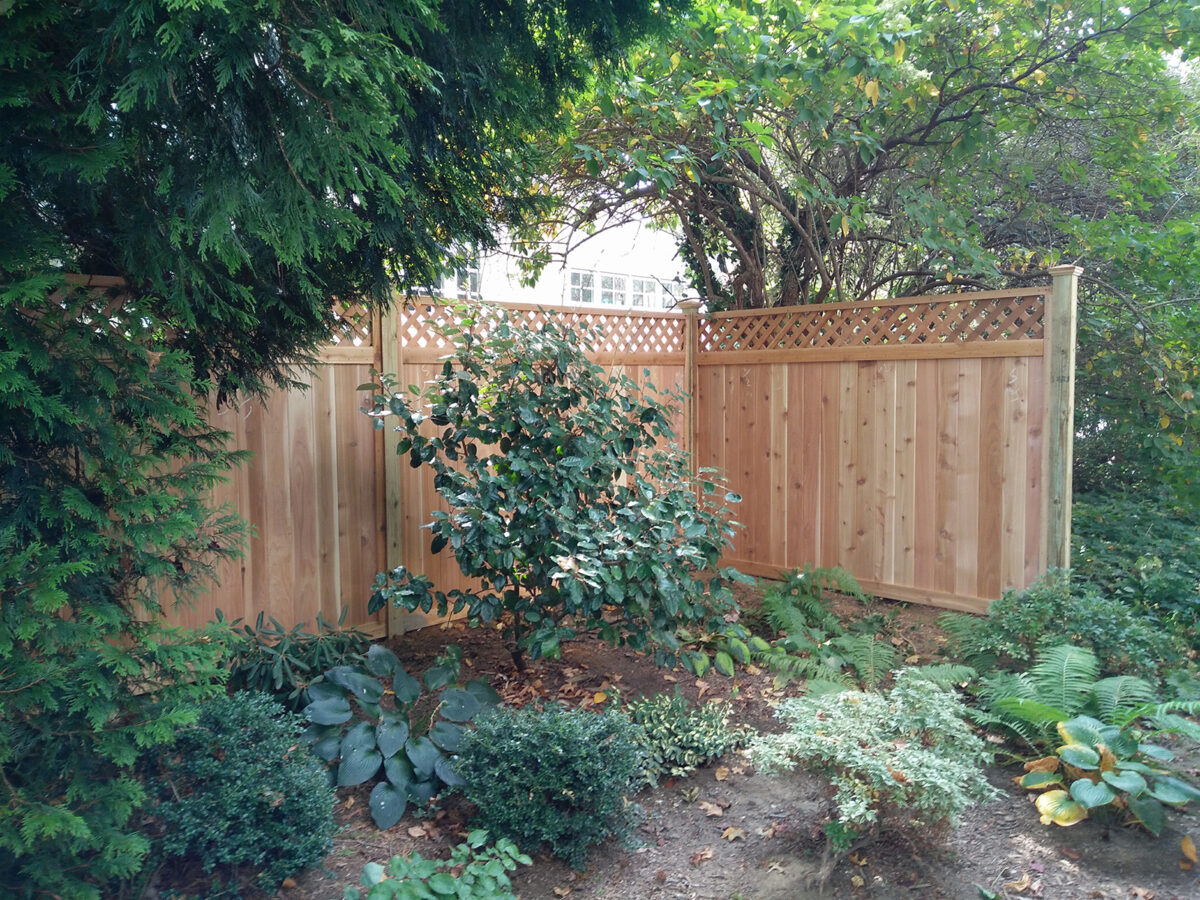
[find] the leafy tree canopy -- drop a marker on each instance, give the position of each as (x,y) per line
(834,152)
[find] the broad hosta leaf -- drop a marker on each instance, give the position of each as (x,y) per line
(443,884)
(1091,794)
(444,767)
(1082,730)
(363,685)
(483,692)
(324,740)
(391,733)
(382,662)
(423,755)
(1156,752)
(439,676)
(1035,780)
(446,735)
(361,758)
(1059,808)
(421,792)
(407,688)
(332,711)
(1079,756)
(1149,812)
(1129,782)
(388,803)
(723,663)
(1168,793)
(399,770)
(459,705)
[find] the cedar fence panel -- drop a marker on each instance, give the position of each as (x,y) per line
(922,444)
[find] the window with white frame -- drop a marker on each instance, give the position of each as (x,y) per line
(613,290)
(644,293)
(466,280)
(583,287)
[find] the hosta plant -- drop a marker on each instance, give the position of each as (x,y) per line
(1103,767)
(475,870)
(402,732)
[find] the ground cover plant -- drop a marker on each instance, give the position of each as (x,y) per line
(239,788)
(568,503)
(677,736)
(475,870)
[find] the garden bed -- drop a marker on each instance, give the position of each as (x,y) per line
(729,832)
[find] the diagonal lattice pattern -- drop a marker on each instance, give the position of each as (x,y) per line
(611,333)
(958,318)
(351,325)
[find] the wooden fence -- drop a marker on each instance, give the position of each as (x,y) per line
(923,444)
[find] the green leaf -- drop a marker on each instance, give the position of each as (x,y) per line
(388,804)
(439,676)
(423,755)
(364,686)
(1035,780)
(398,770)
(483,692)
(444,768)
(1127,782)
(1092,795)
(332,711)
(443,884)
(382,662)
(1168,793)
(361,758)
(406,688)
(1149,812)
(446,735)
(459,705)
(1079,756)
(391,733)
(723,663)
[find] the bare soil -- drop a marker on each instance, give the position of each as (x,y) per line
(765,844)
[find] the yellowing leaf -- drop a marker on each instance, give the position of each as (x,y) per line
(1020,885)
(1039,76)
(733,834)
(721,773)
(1060,808)
(1165,422)
(1188,847)
(845,227)
(871,89)
(675,58)
(898,50)
(912,103)
(599,697)
(857,880)
(561,891)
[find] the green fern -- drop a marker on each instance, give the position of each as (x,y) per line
(945,675)
(1113,696)
(807,666)
(1064,676)
(872,660)
(797,603)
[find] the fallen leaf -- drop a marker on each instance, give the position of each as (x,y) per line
(701,855)
(775,867)
(1019,886)
(737,770)
(689,795)
(599,697)
(1071,854)
(288,883)
(722,772)
(858,860)
(752,669)
(349,802)
(1038,867)
(1185,865)
(1188,847)
(711,810)
(769,832)
(670,678)
(912,660)
(857,881)
(416,831)
(561,891)
(732,834)
(703,687)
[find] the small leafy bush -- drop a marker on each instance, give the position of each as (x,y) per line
(240,788)
(906,756)
(475,870)
(1049,612)
(1109,768)
(1143,549)
(679,737)
(409,739)
(557,776)
(569,503)
(281,662)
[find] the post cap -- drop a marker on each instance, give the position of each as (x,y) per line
(1059,271)
(688,305)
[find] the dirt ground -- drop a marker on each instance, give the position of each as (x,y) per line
(764,844)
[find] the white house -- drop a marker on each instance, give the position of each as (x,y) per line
(630,265)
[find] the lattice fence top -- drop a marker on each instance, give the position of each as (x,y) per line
(352,325)
(614,334)
(957,318)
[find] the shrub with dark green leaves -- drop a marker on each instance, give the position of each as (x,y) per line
(241,788)
(557,776)
(281,662)
(568,502)
(1051,611)
(679,737)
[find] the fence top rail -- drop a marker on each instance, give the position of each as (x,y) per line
(923,299)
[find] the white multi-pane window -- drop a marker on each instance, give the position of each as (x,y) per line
(466,281)
(613,290)
(583,287)
(644,293)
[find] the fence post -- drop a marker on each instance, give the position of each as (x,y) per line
(389,334)
(1060,412)
(691,309)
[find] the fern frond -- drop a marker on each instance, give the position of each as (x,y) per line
(872,660)
(1156,710)
(1026,732)
(1063,677)
(945,675)
(816,687)
(801,666)
(960,628)
(1110,696)
(999,685)
(1034,712)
